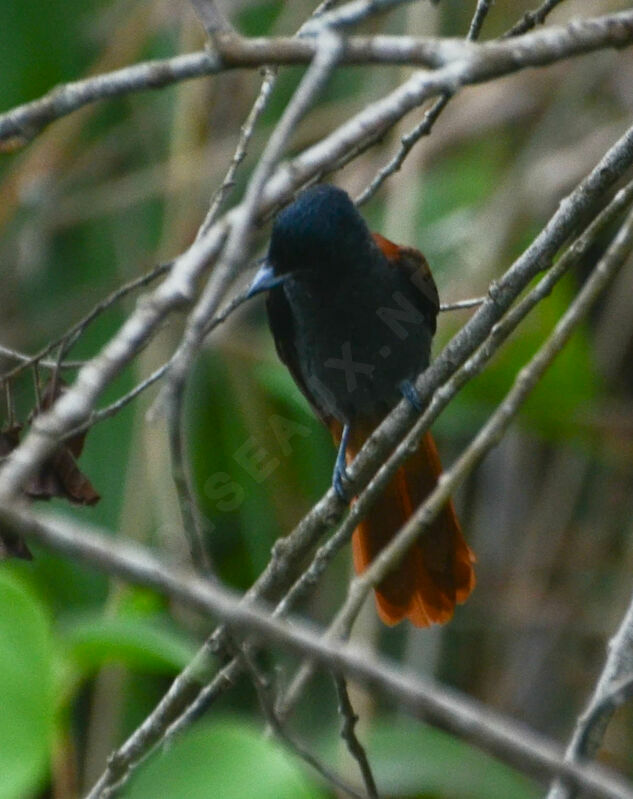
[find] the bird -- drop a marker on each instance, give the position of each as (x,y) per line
(352,316)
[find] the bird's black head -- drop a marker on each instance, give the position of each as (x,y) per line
(321,232)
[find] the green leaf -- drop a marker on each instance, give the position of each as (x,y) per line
(414,760)
(26,695)
(229,760)
(139,643)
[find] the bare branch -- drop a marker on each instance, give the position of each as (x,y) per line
(349,14)
(247,130)
(246,134)
(479,17)
(75,406)
(424,127)
(533,18)
(469,62)
(460,305)
(348,733)
(267,704)
(29,360)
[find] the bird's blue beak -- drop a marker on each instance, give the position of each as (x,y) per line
(265,279)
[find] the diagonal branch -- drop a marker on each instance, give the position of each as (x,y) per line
(78,328)
(425,126)
(533,18)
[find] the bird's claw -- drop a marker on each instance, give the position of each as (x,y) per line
(410,393)
(340,472)
(340,475)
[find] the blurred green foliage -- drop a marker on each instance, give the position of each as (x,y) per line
(228,758)
(26,690)
(417,761)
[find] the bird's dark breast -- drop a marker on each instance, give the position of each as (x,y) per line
(354,345)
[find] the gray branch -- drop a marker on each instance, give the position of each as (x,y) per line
(472,63)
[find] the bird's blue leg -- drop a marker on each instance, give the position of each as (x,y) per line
(410,393)
(340,470)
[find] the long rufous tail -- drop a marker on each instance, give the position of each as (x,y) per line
(437,572)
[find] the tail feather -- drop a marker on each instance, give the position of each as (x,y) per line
(437,572)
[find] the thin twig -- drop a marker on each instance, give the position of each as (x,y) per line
(29,360)
(459,305)
(407,142)
(424,127)
(600,712)
(267,704)
(479,17)
(326,5)
(348,733)
(111,410)
(246,133)
(533,18)
(8,397)
(248,128)
(212,19)
(349,14)
(193,522)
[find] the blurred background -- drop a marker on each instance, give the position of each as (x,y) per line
(106,193)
